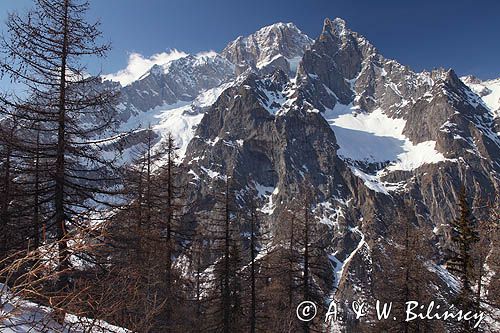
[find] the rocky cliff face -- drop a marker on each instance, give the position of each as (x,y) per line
(366,133)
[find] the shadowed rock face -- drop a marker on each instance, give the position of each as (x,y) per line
(272,129)
(343,66)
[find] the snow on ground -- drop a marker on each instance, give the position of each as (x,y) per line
(373,182)
(181,124)
(264,40)
(375,138)
(208,97)
(263,191)
(329,214)
(262,253)
(489,91)
(341,265)
(294,63)
(270,205)
(273,101)
(444,275)
(179,119)
(267,61)
(210,173)
(19,316)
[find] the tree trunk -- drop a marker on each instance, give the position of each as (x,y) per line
(168,273)
(306,261)
(4,214)
(253,318)
(36,199)
(60,218)
(225,292)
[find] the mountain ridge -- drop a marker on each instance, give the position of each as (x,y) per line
(366,133)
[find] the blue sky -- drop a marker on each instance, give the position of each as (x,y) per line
(464,35)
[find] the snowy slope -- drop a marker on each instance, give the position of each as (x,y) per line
(179,119)
(374,137)
(169,92)
(19,316)
(170,96)
(489,91)
(369,131)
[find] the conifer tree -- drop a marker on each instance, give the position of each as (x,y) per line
(297,266)
(486,253)
(254,270)
(147,234)
(461,262)
(407,277)
(43,52)
(220,233)
(7,132)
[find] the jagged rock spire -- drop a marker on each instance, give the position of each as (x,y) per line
(336,27)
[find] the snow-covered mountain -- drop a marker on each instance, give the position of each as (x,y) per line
(276,108)
(387,120)
(280,45)
(367,99)
(489,91)
(180,80)
(171,97)
(386,117)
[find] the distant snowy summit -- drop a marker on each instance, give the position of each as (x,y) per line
(280,45)
(488,90)
(371,136)
(384,116)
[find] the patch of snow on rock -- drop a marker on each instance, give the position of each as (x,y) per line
(489,91)
(374,137)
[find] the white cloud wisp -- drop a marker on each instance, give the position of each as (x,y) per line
(138,65)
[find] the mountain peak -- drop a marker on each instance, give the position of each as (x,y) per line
(280,45)
(449,77)
(278,25)
(336,27)
(488,90)
(470,79)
